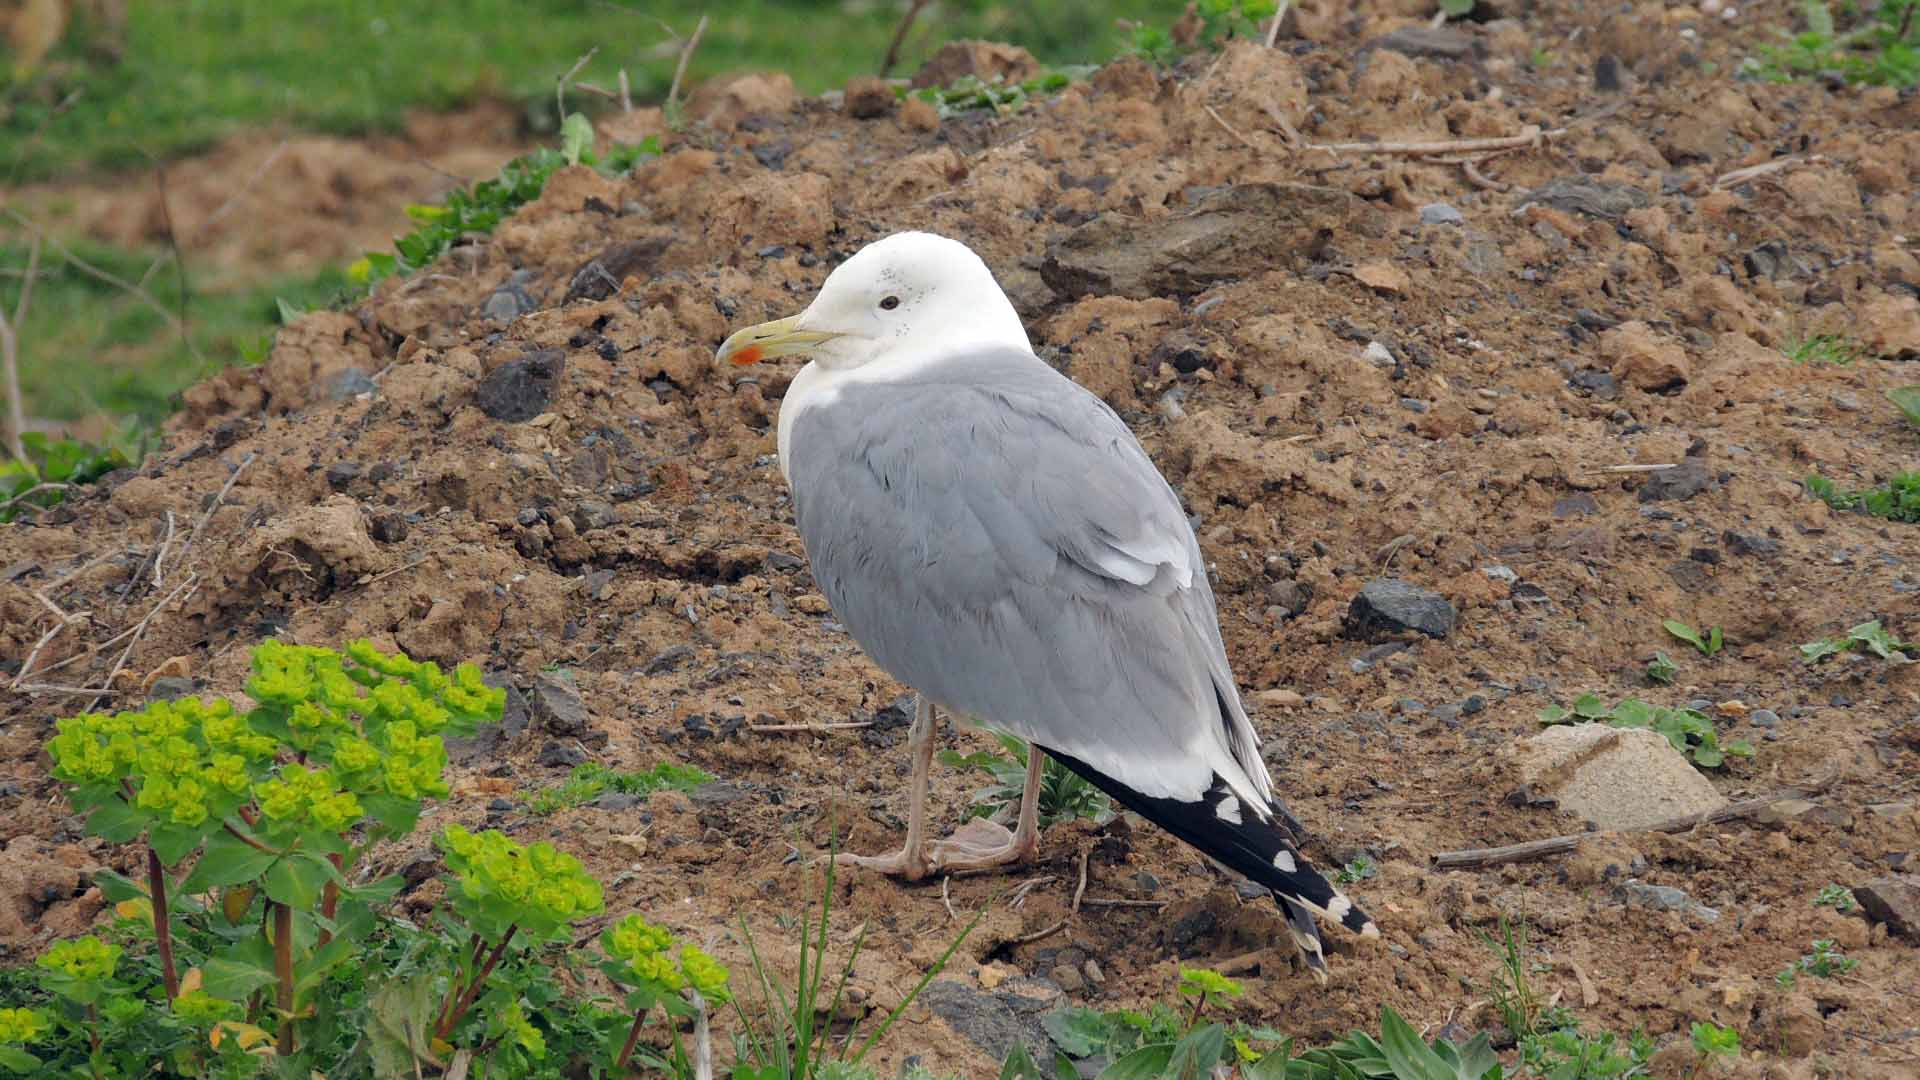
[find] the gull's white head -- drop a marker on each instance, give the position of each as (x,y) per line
(912,294)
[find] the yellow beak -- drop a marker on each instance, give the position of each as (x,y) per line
(781,337)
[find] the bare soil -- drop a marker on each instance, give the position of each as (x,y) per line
(634,529)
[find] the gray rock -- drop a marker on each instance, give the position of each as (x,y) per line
(510,299)
(1683,481)
(556,704)
(1579,195)
(1579,504)
(171,687)
(616,800)
(350,382)
(341,475)
(1764,718)
(1231,233)
(1389,605)
(388,526)
(519,390)
(1746,544)
(1440,213)
(1289,595)
(562,755)
(1421,40)
(600,276)
(593,514)
(1657,897)
(717,793)
(1067,979)
(992,1020)
(1894,900)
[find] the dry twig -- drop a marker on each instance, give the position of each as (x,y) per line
(1072,910)
(1273,28)
(1473,858)
(900,36)
(245,189)
(845,725)
(10,358)
(139,630)
(160,557)
(680,69)
(1765,168)
(560,88)
(218,498)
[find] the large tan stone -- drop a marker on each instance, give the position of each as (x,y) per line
(1614,778)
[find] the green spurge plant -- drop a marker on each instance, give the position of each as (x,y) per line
(1896,500)
(281,802)
(50,469)
(1868,636)
(641,957)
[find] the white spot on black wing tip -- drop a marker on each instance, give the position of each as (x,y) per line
(1370,930)
(1228,810)
(1338,907)
(1283,862)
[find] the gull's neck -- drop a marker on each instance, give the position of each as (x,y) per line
(817,385)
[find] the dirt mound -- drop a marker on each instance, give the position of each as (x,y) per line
(1352,365)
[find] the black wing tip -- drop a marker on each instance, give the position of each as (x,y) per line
(1219,825)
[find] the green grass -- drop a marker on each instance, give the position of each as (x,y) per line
(1823,349)
(592,780)
(1896,500)
(89,347)
(195,71)
(1879,47)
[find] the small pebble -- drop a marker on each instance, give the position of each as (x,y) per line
(1379,354)
(1764,718)
(1440,214)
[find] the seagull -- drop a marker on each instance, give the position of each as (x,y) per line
(994,536)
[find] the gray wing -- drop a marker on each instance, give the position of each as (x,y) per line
(994,536)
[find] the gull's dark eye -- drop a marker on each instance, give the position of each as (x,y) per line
(889,303)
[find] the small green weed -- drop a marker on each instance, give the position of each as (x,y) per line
(1571,1054)
(1690,732)
(590,780)
(478,209)
(793,1044)
(1524,1010)
(1359,868)
(1825,961)
(1709,645)
(1661,669)
(1064,794)
(1713,1043)
(1837,897)
(50,469)
(1907,400)
(1897,500)
(970,92)
(1457,9)
(1870,636)
(1829,349)
(1881,48)
(1220,20)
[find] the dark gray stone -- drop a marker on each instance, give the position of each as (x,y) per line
(1231,233)
(897,713)
(1576,194)
(718,793)
(993,1020)
(616,800)
(1606,74)
(350,382)
(667,660)
(592,514)
(1290,595)
(388,526)
(600,276)
(561,755)
(1389,605)
(555,702)
(1683,481)
(1893,900)
(341,475)
(171,687)
(1421,40)
(519,390)
(1746,544)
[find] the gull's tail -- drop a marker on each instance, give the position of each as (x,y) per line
(1228,829)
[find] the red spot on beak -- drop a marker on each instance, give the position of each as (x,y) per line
(749,355)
